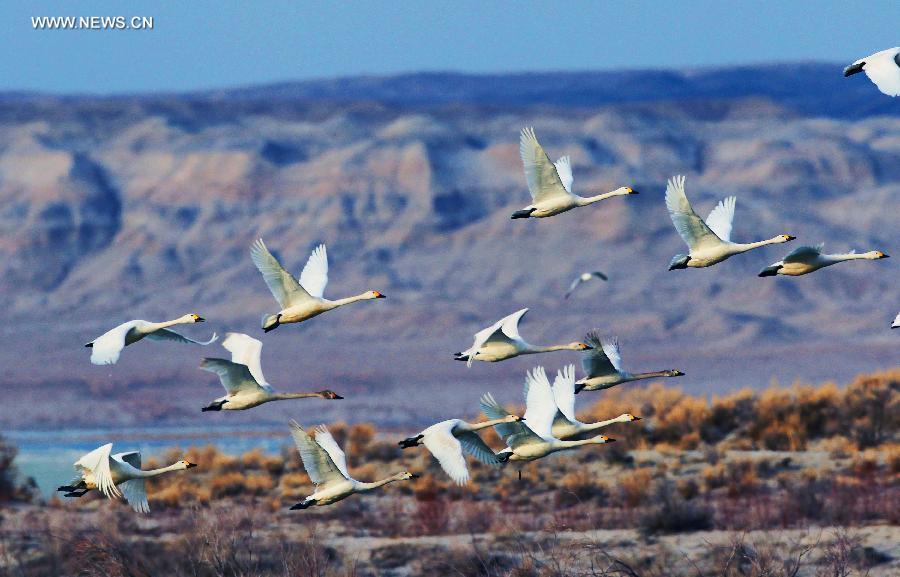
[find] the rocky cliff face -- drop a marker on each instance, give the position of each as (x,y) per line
(144,207)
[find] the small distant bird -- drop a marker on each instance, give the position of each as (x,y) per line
(107,347)
(116,476)
(501,341)
(710,241)
(602,366)
(806,259)
(550,184)
(896,323)
(299,300)
(242,377)
(326,465)
(584,277)
(882,68)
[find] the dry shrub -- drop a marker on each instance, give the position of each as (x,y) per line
(634,487)
(237,484)
(579,487)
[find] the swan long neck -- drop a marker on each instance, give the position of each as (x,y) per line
(600,424)
(151,327)
(549,349)
(285,396)
(744,247)
(348,300)
(586,200)
(573,444)
(484,424)
(160,471)
(651,375)
(360,486)
(833,258)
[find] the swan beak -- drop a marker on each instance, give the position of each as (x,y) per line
(632,191)
(790,237)
(636,419)
(191,465)
(853,69)
(337,396)
(882,255)
(587,347)
(378,295)
(579,387)
(608,440)
(414,475)
(200,320)
(89,345)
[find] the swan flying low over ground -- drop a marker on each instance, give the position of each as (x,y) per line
(243,379)
(107,347)
(583,278)
(448,440)
(550,184)
(299,300)
(326,465)
(806,259)
(603,366)
(565,423)
(116,476)
(882,68)
(709,241)
(501,341)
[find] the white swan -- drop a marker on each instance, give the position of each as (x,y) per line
(107,347)
(243,379)
(710,241)
(326,465)
(806,259)
(299,300)
(603,366)
(532,438)
(583,278)
(550,184)
(448,440)
(896,323)
(116,476)
(882,68)
(502,341)
(565,423)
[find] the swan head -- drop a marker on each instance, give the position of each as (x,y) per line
(329,395)
(602,439)
(183,465)
(877,254)
(679,261)
(628,417)
(674,373)
(784,238)
(406,475)
(374,295)
(193,318)
(579,346)
(623,190)
(411,442)
(512,418)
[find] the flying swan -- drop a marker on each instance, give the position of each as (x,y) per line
(299,300)
(565,423)
(896,323)
(501,341)
(806,259)
(550,184)
(583,278)
(710,241)
(602,366)
(882,68)
(106,348)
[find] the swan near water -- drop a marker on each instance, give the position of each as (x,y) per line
(106,348)
(806,259)
(882,68)
(602,366)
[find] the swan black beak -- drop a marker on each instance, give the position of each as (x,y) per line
(89,345)
(884,256)
(853,69)
(191,465)
(791,237)
(610,440)
(638,418)
(414,475)
(201,320)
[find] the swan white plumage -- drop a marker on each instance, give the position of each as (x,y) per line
(896,323)
(106,348)
(326,465)
(449,439)
(243,380)
(549,183)
(299,300)
(565,423)
(709,241)
(116,476)
(532,438)
(602,365)
(502,341)
(882,68)
(583,278)
(806,259)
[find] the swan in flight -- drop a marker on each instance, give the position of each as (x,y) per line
(243,379)
(326,465)
(550,184)
(106,348)
(299,300)
(116,476)
(501,341)
(896,323)
(448,440)
(806,259)
(565,423)
(583,278)
(532,438)
(710,241)
(882,68)
(603,366)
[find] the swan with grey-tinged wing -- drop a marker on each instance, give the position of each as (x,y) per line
(326,465)
(449,439)
(106,348)
(299,300)
(532,438)
(603,366)
(550,184)
(806,259)
(565,423)
(501,341)
(116,476)
(583,278)
(709,241)
(882,68)
(242,377)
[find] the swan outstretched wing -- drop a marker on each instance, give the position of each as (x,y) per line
(504,330)
(327,442)
(246,350)
(132,458)
(284,287)
(447,450)
(474,445)
(596,360)
(564,170)
(695,233)
(804,254)
(235,377)
(106,348)
(314,276)
(721,218)
(544,181)
(318,463)
(170,335)
(540,406)
(564,391)
(135,494)
(96,463)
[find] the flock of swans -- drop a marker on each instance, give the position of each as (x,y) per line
(549,423)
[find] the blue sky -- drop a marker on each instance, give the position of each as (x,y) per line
(198,44)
